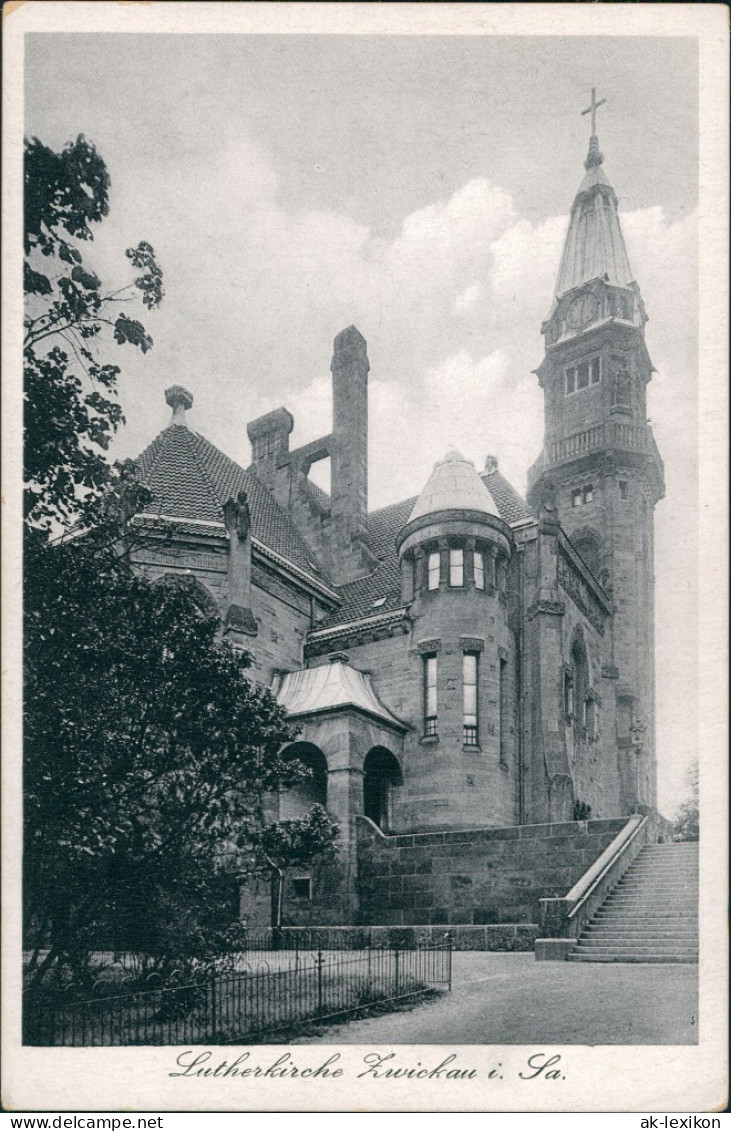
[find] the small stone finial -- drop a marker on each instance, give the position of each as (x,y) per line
(179,400)
(453,456)
(594,157)
(490,464)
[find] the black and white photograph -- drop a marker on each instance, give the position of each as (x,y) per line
(366,468)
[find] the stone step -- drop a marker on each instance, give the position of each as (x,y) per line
(615,957)
(653,875)
(652,880)
(643,915)
(673,875)
(641,945)
(660,891)
(643,905)
(631,897)
(640,930)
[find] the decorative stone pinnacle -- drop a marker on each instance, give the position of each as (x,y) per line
(179,400)
(594,157)
(490,464)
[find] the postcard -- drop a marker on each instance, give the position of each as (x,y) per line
(365,573)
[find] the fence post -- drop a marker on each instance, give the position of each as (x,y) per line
(319,981)
(449,965)
(214,1031)
(396,971)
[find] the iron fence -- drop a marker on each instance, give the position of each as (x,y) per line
(285,990)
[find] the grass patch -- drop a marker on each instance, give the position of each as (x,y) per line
(315,1027)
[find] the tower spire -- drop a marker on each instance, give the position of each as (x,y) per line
(599,457)
(594,157)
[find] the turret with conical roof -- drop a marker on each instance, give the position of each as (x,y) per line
(454,519)
(599,453)
(455,554)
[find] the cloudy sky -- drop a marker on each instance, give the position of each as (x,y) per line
(418,187)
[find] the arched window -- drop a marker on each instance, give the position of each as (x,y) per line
(202,598)
(297,802)
(381,775)
(580,671)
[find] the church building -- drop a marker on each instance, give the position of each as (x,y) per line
(471,672)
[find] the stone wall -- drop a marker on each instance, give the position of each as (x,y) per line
(503,937)
(477,876)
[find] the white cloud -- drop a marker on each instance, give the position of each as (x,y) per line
(468,298)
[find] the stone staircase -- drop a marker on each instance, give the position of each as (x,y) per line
(652,913)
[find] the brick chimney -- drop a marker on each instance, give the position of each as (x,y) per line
(349,457)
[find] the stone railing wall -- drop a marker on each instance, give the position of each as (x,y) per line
(476,876)
(614,434)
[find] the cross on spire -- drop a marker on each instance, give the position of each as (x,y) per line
(592,109)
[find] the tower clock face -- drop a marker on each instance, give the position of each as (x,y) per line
(582,310)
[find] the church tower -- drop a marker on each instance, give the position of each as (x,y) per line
(599,454)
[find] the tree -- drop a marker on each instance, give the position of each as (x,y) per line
(147,750)
(686,824)
(146,747)
(71,410)
(293,844)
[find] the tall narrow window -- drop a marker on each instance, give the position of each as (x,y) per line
(456,567)
(577,498)
(582,375)
(479,569)
(430,696)
(570,380)
(594,370)
(568,697)
(433,570)
(504,708)
(623,490)
(469,698)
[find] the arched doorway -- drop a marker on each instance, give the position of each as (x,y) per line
(381,774)
(297,802)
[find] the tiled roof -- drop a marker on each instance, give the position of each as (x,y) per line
(190,478)
(511,506)
(383,527)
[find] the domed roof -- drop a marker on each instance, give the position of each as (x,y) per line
(454,485)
